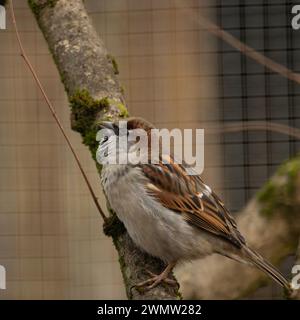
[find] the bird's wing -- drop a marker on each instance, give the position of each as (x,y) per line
(188,195)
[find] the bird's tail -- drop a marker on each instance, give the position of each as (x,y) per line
(257,260)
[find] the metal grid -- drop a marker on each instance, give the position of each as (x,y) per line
(249,91)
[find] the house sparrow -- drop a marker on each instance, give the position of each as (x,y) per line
(170,214)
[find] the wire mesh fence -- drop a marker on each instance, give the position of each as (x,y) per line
(249,91)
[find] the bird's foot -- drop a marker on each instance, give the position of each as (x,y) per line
(156,279)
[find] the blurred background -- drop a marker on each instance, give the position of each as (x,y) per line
(176,75)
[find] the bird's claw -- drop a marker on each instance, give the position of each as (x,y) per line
(154,281)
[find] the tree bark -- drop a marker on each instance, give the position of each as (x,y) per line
(89,76)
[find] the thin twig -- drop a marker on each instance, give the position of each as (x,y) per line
(55,116)
(244,49)
(249,51)
(254,125)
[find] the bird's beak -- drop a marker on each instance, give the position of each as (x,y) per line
(107,125)
(110,126)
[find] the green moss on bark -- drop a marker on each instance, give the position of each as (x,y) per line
(84,112)
(122,110)
(291,169)
(113,61)
(278,194)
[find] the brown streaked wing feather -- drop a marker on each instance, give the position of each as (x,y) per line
(188,195)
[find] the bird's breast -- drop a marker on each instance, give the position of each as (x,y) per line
(154,228)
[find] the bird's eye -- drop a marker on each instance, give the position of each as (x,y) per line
(105,139)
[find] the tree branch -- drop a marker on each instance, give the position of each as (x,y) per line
(89,76)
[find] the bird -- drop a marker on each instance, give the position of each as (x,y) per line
(169,213)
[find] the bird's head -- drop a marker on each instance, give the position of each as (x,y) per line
(123,139)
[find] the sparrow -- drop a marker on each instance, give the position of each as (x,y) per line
(170,214)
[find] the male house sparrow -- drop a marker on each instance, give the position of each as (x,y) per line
(172,215)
